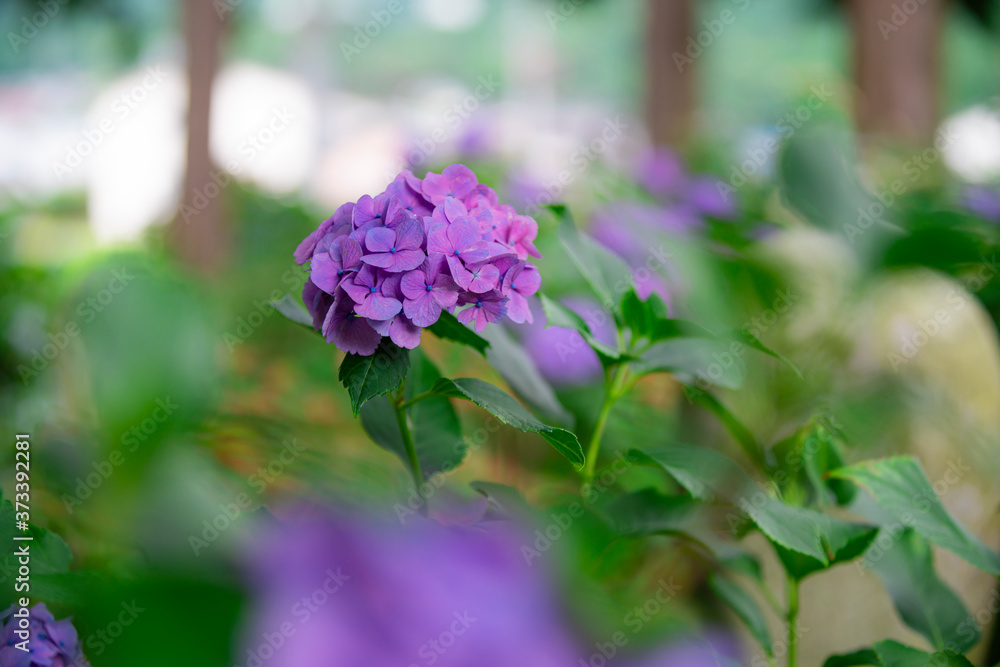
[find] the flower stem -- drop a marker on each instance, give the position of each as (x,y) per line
(399,406)
(416,399)
(612,392)
(793,615)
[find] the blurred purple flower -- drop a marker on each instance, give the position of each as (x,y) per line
(712,650)
(456,180)
(51,643)
(353,592)
(561,354)
(983,201)
(704,196)
(660,171)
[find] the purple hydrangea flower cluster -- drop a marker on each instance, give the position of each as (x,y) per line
(388,265)
(50,643)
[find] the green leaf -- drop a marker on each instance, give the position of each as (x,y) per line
(924,602)
(648,512)
(448,327)
(743,606)
(804,461)
(806,540)
(505,408)
(606,273)
(636,315)
(437,432)
(506,500)
(901,488)
(515,366)
(374,375)
(748,339)
(842,541)
(742,435)
(294,311)
(893,654)
(865,656)
(693,361)
(558,315)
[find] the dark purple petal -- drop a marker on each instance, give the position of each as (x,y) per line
(348,331)
(404,333)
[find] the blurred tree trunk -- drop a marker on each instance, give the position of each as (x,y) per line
(199,233)
(897,63)
(669,79)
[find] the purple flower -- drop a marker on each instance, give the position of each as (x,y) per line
(456,180)
(402,595)
(395,250)
(704,196)
(660,171)
(341,220)
(365,289)
(561,354)
(408,189)
(371,209)
(521,236)
(51,643)
(459,242)
(982,201)
(427,292)
(329,268)
(520,282)
(447,235)
(483,308)
(348,330)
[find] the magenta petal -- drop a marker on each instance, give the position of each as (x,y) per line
(459,272)
(438,241)
(423,311)
(518,309)
(464,234)
(325,273)
(378,307)
(358,293)
(413,285)
(454,209)
(404,333)
(383,260)
(468,316)
(380,239)
(409,235)
(407,260)
(484,278)
(349,252)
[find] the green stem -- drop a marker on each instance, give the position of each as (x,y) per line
(416,399)
(399,405)
(612,392)
(793,615)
